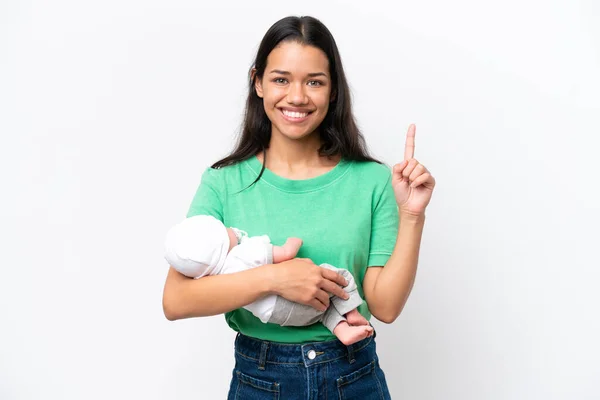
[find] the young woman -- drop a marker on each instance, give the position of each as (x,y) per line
(301,169)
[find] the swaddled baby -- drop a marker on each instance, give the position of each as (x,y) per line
(201,245)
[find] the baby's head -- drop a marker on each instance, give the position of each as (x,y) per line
(205,240)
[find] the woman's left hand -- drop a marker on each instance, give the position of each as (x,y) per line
(413,184)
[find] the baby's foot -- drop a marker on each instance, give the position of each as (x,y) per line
(355,318)
(351,334)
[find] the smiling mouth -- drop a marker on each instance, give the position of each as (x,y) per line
(294,116)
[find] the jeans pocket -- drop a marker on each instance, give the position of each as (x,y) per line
(250,388)
(363,384)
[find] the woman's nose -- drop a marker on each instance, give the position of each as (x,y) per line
(296,94)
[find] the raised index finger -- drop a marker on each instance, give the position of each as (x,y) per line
(409,147)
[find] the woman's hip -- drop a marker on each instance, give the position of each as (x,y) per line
(330,369)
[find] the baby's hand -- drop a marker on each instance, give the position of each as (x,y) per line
(288,251)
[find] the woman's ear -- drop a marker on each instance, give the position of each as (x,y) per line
(257,83)
(333,96)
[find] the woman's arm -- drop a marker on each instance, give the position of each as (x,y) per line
(387,289)
(298,280)
(184,297)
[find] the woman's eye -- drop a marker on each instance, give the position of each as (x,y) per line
(279,80)
(315,83)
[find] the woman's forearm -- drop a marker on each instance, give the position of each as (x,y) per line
(395,281)
(212,295)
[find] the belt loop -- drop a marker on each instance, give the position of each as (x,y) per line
(263,355)
(350,349)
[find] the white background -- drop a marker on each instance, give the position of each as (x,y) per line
(110,111)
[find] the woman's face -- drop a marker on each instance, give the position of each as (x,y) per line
(296,89)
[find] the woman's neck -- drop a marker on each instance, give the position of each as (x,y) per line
(297,159)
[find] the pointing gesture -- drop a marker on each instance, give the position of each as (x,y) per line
(413,184)
(409,147)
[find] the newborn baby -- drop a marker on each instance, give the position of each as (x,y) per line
(201,245)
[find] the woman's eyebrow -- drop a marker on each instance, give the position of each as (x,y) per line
(312,74)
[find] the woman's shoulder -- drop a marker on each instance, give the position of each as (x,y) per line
(225,170)
(227,176)
(371,171)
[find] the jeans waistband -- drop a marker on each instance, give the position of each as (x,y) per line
(264,352)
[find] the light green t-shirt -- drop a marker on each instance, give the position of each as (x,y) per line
(347,217)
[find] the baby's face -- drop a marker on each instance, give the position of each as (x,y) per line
(232,239)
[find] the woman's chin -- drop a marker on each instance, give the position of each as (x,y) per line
(300,136)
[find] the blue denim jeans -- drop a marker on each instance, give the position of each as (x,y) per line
(310,371)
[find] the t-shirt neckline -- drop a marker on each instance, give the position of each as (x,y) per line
(299,185)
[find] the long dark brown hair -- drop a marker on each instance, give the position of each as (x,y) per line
(339,133)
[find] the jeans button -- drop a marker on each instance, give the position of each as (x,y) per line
(312,354)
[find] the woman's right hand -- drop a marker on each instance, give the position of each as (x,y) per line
(302,281)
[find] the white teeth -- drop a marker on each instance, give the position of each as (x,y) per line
(294,114)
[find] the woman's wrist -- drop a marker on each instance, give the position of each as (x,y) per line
(268,281)
(410,217)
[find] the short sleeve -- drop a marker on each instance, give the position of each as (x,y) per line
(384,227)
(209,195)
